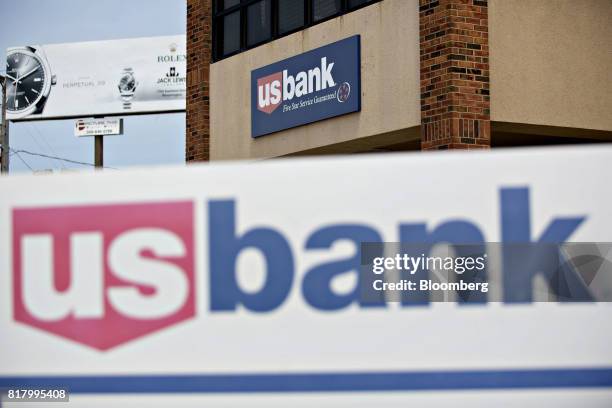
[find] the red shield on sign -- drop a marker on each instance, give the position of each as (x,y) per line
(103,275)
(270,92)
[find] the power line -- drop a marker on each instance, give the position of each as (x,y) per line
(56,158)
(35,140)
(23,161)
(47,143)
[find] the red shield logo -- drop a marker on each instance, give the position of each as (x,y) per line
(270,92)
(103,275)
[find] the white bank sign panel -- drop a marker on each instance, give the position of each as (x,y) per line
(118,77)
(213,292)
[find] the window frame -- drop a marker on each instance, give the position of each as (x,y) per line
(242,6)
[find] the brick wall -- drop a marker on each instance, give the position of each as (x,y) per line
(455,102)
(199,47)
(454,64)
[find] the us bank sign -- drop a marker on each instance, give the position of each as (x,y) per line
(316,85)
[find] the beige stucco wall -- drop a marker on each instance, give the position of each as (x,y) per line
(551,62)
(389,85)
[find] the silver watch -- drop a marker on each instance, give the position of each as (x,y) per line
(127,87)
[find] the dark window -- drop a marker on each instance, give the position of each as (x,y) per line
(259,25)
(231,33)
(225,4)
(242,24)
(358,3)
(291,15)
(322,9)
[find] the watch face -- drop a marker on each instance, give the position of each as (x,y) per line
(25,81)
(127,83)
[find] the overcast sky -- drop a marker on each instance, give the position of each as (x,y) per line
(147,140)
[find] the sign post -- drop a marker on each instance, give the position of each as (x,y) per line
(98,127)
(99,151)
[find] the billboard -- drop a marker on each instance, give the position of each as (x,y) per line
(99,78)
(316,85)
(214,292)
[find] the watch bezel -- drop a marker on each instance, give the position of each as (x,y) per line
(133,78)
(37,54)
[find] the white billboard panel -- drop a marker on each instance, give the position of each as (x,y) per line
(236,285)
(98,78)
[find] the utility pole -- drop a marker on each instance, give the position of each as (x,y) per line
(4,130)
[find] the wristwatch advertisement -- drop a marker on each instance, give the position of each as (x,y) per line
(127,87)
(29,81)
(100,78)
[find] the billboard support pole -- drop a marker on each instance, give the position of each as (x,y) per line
(4,131)
(99,151)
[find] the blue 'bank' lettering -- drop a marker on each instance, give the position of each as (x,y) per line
(225,246)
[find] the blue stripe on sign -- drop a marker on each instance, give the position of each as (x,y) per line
(322,382)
